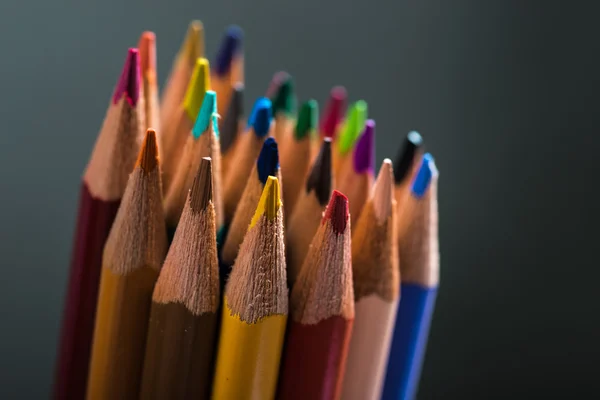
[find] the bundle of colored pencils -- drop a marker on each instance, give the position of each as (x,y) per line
(215,258)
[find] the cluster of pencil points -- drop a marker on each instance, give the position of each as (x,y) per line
(225,260)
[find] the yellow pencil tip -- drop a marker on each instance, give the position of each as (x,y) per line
(269,203)
(193,45)
(198,85)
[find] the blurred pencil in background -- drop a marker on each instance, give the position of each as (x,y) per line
(232,127)
(349,132)
(228,66)
(149,87)
(284,108)
(331,117)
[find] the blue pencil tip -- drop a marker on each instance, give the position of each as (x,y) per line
(268,160)
(230,46)
(207,112)
(260,119)
(426,171)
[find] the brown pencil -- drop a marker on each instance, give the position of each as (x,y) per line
(149,88)
(232,127)
(322,312)
(102,188)
(133,254)
(202,142)
(183,318)
(376,290)
(181,73)
(307,215)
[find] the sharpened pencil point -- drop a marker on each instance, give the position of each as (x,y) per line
(193,45)
(207,113)
(333,111)
(276,81)
(337,212)
(147,47)
(129,82)
(353,126)
(269,203)
(148,155)
(307,119)
(319,178)
(364,153)
(230,46)
(284,99)
(268,160)
(383,192)
(201,192)
(260,119)
(412,145)
(199,84)
(426,171)
(231,124)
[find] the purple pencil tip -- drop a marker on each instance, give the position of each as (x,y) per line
(364,153)
(129,82)
(230,47)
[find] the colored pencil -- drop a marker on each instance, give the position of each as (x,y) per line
(349,132)
(103,186)
(376,290)
(356,177)
(202,142)
(284,108)
(406,165)
(322,312)
(183,318)
(177,132)
(419,266)
(255,308)
(307,215)
(296,160)
(132,257)
(232,127)
(228,66)
(267,164)
(181,72)
(276,81)
(250,143)
(149,88)
(332,116)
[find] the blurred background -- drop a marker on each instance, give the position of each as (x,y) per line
(505,94)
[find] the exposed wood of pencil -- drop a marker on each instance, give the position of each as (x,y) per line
(376,290)
(322,312)
(307,215)
(103,185)
(181,72)
(183,318)
(147,46)
(255,308)
(132,257)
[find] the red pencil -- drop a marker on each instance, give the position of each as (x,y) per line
(103,185)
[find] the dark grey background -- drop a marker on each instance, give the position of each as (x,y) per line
(505,93)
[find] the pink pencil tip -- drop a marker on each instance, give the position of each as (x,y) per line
(129,82)
(337,212)
(333,111)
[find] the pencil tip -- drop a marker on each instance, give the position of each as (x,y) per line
(260,119)
(337,212)
(411,146)
(276,81)
(269,202)
(147,47)
(148,155)
(202,191)
(307,119)
(427,170)
(353,126)
(284,99)
(199,84)
(383,193)
(129,82)
(235,110)
(364,153)
(193,45)
(319,178)
(268,160)
(207,113)
(230,46)
(333,111)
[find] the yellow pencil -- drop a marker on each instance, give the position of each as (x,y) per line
(255,308)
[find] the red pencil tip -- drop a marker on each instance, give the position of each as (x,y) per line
(337,212)
(334,111)
(129,82)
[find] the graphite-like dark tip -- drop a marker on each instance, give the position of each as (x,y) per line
(320,179)
(231,122)
(411,146)
(202,191)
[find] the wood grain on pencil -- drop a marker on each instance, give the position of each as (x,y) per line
(103,185)
(132,257)
(322,312)
(183,318)
(376,290)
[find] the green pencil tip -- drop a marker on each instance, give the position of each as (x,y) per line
(284,99)
(307,119)
(207,112)
(353,126)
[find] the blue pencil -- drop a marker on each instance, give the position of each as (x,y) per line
(419,266)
